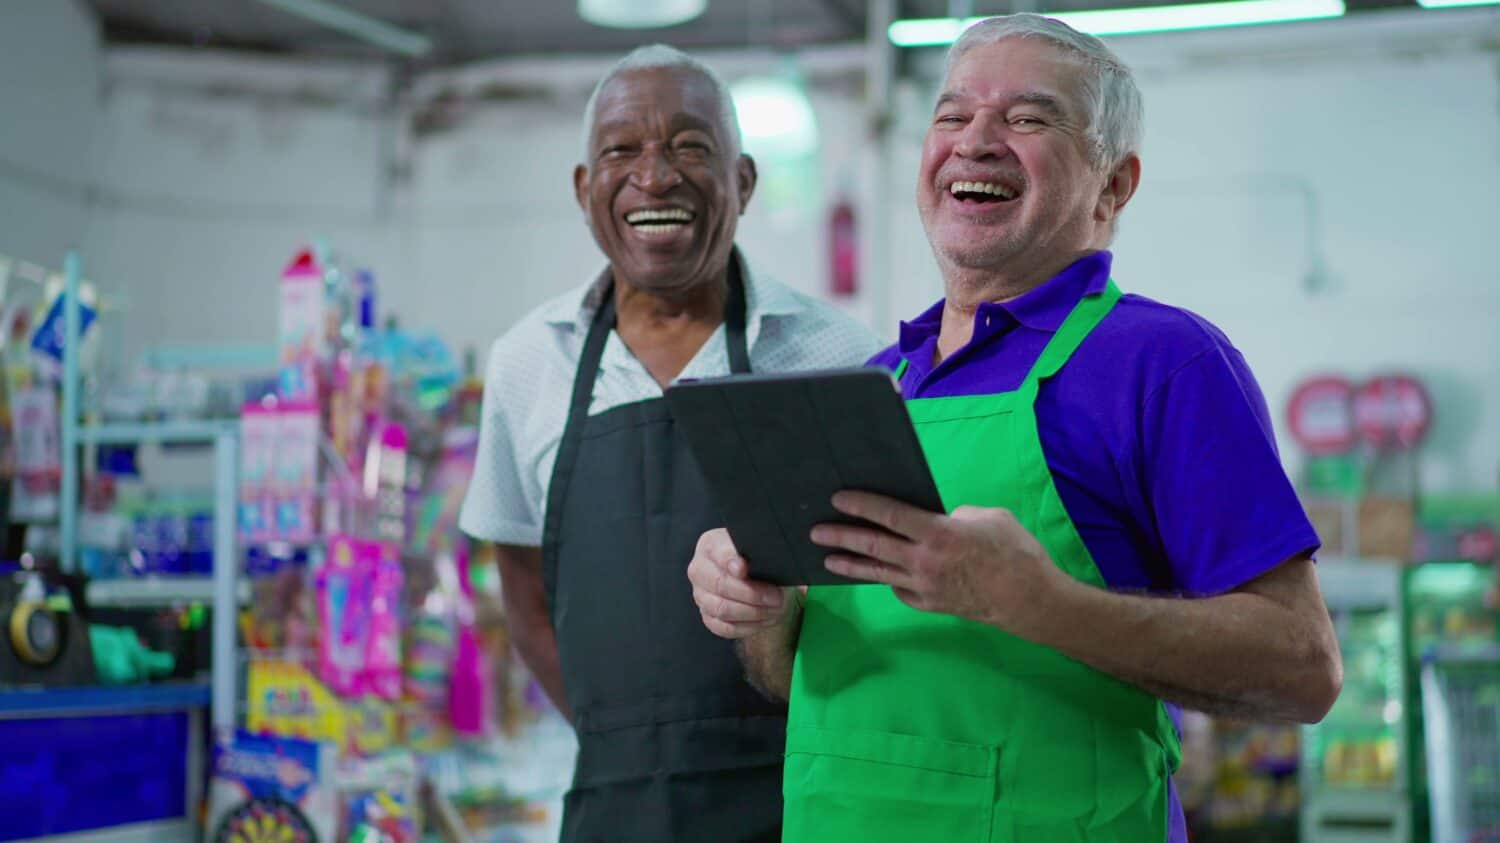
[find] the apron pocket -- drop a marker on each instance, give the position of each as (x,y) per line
(883,786)
(1081,778)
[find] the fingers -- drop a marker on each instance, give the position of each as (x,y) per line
(863,541)
(869,570)
(734,611)
(730,604)
(898,517)
(727,578)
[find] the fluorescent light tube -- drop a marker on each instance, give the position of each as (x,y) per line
(936,31)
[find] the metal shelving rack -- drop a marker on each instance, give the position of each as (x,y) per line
(223,436)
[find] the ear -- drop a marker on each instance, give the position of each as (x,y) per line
(1118,188)
(581,186)
(745,168)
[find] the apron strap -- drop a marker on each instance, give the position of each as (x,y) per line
(567,447)
(734,318)
(583,395)
(1086,315)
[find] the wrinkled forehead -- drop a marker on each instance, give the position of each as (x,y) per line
(635,93)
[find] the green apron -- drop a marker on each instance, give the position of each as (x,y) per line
(911,726)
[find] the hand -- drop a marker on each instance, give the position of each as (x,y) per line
(733,605)
(977,563)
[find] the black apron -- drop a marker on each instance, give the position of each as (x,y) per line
(673,743)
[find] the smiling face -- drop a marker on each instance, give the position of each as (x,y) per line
(1006,183)
(663,187)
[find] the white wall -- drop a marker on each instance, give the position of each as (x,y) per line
(214,170)
(49,94)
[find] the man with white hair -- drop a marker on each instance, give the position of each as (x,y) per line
(1121,541)
(592,497)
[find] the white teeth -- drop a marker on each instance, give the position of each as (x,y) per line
(992,188)
(648,215)
(657,228)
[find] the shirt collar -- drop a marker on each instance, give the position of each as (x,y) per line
(1042,309)
(1045,307)
(761,300)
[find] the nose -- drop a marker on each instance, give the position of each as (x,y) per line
(983,136)
(653,171)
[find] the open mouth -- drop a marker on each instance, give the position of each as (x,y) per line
(982,192)
(660,220)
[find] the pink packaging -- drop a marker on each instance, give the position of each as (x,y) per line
(258,431)
(383,649)
(300,322)
(344,617)
(296,477)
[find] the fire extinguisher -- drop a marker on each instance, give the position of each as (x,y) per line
(843,249)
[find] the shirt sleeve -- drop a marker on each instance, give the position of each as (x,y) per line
(1225,510)
(500,505)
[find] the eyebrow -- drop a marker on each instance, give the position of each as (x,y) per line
(680,122)
(1049,103)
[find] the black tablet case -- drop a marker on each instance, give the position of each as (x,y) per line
(774,448)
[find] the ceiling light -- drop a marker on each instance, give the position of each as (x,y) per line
(776,117)
(1445,4)
(923,32)
(639,14)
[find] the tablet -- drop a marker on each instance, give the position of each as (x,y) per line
(774,448)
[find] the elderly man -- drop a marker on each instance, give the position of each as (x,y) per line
(591,495)
(1121,540)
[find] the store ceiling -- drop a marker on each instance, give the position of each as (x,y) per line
(469,30)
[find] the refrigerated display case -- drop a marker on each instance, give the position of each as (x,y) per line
(1450,619)
(1461,717)
(1364,770)
(1354,773)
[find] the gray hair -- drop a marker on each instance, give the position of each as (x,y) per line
(654,56)
(1116,113)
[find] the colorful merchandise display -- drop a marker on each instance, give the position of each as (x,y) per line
(265,789)
(367,633)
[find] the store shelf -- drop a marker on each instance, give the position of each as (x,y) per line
(103,699)
(222,435)
(169,432)
(158,591)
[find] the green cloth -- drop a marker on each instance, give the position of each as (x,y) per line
(121,658)
(914,726)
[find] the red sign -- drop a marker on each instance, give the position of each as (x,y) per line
(1321,415)
(1392,411)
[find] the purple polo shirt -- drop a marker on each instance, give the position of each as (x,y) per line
(1156,433)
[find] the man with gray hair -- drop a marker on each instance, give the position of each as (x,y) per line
(1121,538)
(590,495)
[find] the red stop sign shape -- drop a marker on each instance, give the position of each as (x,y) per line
(1392,411)
(1321,415)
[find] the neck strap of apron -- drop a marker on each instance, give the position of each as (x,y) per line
(604,322)
(1084,317)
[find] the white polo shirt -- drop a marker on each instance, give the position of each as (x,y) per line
(529,382)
